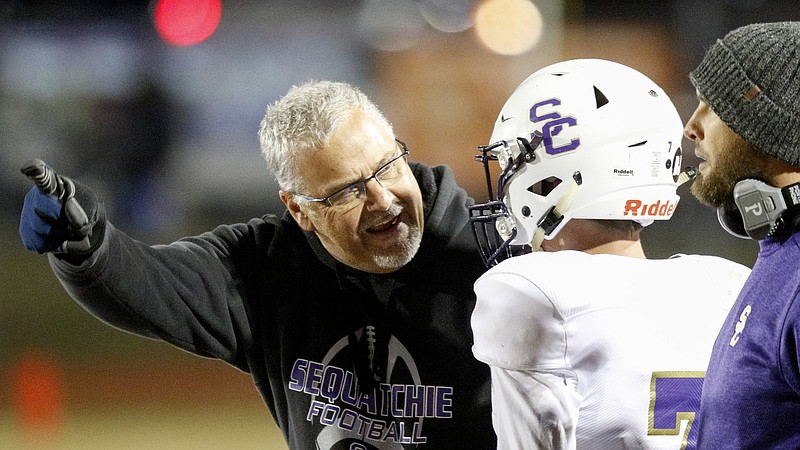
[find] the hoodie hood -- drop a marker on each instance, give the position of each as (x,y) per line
(445,203)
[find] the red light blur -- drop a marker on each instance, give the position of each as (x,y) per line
(186,22)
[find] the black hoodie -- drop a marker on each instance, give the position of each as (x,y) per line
(339,356)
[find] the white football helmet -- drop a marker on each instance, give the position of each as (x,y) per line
(584,139)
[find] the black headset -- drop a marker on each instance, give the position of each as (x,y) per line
(762,210)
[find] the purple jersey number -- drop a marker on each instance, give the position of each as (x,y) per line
(675,397)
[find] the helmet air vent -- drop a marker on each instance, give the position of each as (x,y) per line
(638,144)
(545,186)
(599,97)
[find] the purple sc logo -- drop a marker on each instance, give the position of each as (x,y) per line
(554,125)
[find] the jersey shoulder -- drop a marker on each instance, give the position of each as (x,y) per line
(525,303)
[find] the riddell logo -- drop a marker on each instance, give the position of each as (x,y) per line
(637,208)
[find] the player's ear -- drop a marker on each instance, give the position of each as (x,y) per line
(296,211)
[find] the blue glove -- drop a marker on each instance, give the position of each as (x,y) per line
(60,215)
(38,224)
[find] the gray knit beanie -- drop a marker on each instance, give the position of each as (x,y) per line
(751,79)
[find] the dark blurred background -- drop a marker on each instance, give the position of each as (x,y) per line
(155,105)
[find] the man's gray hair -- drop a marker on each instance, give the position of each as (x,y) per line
(303,120)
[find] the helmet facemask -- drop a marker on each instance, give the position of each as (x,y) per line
(493,225)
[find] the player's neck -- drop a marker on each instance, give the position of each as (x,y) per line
(629,248)
(590,237)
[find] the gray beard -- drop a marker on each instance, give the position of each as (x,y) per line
(404,254)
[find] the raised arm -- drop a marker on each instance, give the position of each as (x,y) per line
(189,293)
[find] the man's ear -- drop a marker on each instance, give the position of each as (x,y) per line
(300,217)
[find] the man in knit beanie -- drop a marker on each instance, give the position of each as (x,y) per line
(746,129)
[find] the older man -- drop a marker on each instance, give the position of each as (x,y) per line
(351,312)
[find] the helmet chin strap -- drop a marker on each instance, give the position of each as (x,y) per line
(689,174)
(553,217)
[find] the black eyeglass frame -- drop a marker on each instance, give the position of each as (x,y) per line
(363,183)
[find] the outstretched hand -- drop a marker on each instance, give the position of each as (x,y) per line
(59,215)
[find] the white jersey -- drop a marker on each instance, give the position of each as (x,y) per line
(600,351)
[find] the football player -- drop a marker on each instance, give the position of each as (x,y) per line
(591,344)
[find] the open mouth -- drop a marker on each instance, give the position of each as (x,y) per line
(702,165)
(384,226)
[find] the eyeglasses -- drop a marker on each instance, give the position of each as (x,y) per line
(386,175)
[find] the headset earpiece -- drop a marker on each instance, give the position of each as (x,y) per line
(732,222)
(762,210)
